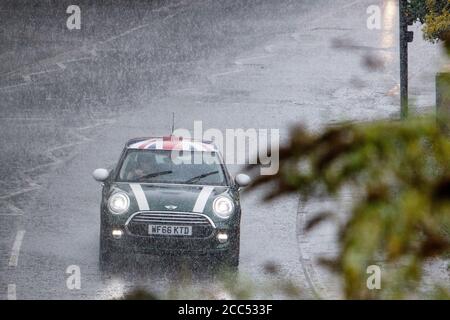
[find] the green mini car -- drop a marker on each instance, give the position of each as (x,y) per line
(170,195)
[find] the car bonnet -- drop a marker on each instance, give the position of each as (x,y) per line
(171,197)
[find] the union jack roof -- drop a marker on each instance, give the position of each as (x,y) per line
(171,143)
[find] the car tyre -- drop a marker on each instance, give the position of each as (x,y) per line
(229,259)
(106,257)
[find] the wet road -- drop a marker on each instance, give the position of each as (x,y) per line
(70,100)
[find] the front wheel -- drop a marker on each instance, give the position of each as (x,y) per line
(105,255)
(228,260)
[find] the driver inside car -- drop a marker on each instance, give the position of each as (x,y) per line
(147,165)
(142,167)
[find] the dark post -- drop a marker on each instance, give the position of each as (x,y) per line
(405,37)
(443,99)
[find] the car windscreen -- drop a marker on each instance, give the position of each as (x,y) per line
(166,166)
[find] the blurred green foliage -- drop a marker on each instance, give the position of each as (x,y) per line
(434,14)
(225,285)
(401,208)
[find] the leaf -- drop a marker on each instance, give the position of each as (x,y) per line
(317,219)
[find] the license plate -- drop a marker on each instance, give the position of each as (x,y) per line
(168,230)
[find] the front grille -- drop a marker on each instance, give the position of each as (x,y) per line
(171,218)
(202,227)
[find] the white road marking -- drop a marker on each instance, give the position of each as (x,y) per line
(14,259)
(140,196)
(94,47)
(212,78)
(98,124)
(55,162)
(61,65)
(28,76)
(170,16)
(31,182)
(226,73)
(19,192)
(322,18)
(39,167)
(202,198)
(14,86)
(67,145)
(26,119)
(126,33)
(53,158)
(92,51)
(243,61)
(12,211)
(75,60)
(11,292)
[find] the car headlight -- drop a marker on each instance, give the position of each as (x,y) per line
(223,207)
(119,203)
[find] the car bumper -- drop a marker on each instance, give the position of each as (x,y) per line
(166,245)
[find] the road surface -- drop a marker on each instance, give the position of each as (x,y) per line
(70,99)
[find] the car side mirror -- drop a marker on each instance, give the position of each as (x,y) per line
(100,175)
(242,180)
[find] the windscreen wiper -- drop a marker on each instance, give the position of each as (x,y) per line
(154,174)
(201,176)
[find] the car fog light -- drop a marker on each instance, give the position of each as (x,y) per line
(222,237)
(117,233)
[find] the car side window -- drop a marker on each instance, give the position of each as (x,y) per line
(128,165)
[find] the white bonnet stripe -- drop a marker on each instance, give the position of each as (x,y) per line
(140,196)
(202,198)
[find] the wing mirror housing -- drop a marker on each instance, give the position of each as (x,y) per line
(242,180)
(100,175)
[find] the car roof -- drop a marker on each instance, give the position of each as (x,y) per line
(171,143)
